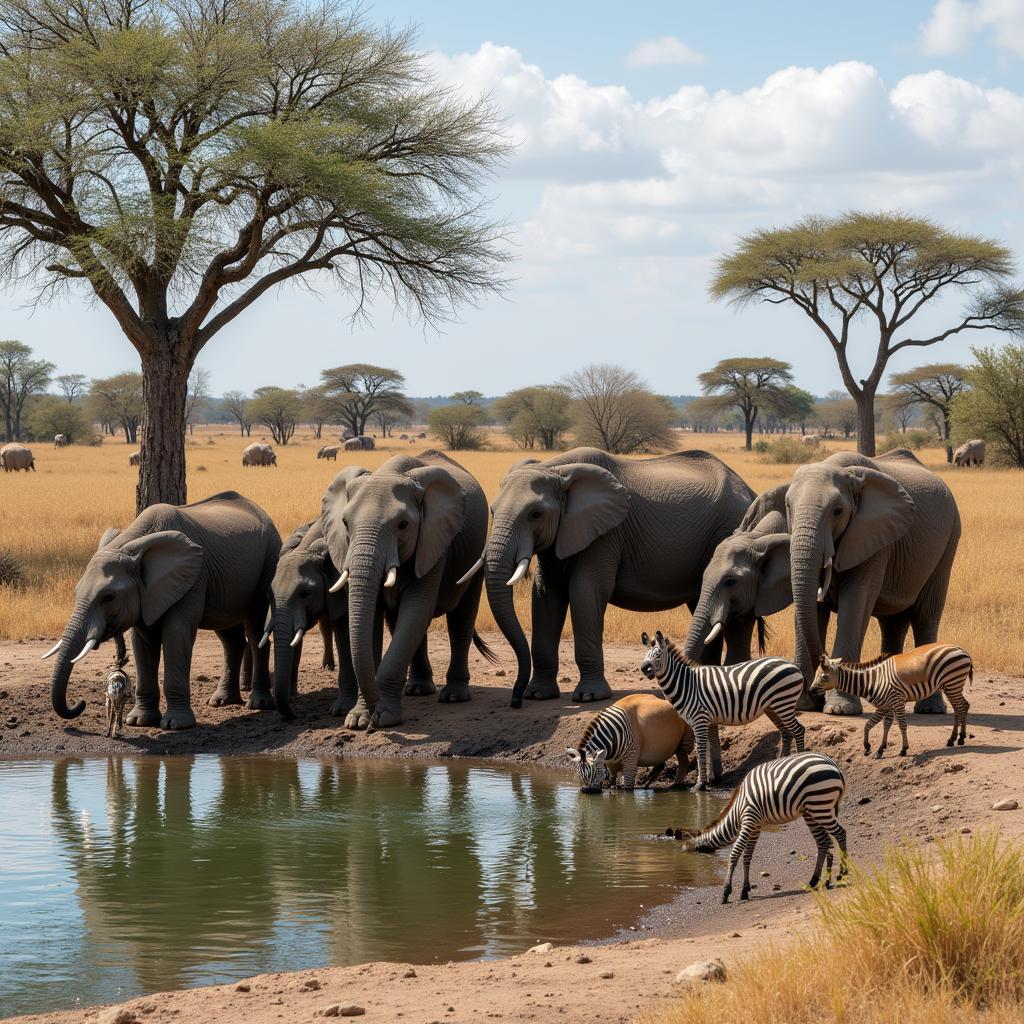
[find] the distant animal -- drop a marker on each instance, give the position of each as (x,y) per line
(135,458)
(891,681)
(804,785)
(403,437)
(353,444)
(60,440)
(368,443)
(811,440)
(329,452)
(726,694)
(119,689)
(422,434)
(16,456)
(970,453)
(642,730)
(259,455)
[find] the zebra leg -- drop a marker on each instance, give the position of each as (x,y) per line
(700,736)
(715,752)
(960,707)
(901,720)
(785,740)
(748,856)
(629,760)
(886,726)
(868,726)
(824,845)
(838,833)
(653,774)
(793,729)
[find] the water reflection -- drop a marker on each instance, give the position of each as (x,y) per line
(125,876)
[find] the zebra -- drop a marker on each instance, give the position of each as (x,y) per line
(891,680)
(119,689)
(707,695)
(806,785)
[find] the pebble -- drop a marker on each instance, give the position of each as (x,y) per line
(766,874)
(583,959)
(343,1010)
(956,766)
(117,1015)
(543,947)
(500,673)
(702,970)
(409,973)
(863,800)
(242,987)
(936,808)
(607,975)
(776,887)
(965,831)
(1006,804)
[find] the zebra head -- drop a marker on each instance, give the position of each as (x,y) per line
(655,661)
(828,674)
(589,767)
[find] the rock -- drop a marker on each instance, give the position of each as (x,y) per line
(953,767)
(701,971)
(583,959)
(343,1010)
(500,673)
(776,887)
(147,1008)
(766,874)
(863,800)
(936,808)
(544,947)
(312,985)
(607,975)
(735,935)
(1006,804)
(965,831)
(409,973)
(242,987)
(117,1015)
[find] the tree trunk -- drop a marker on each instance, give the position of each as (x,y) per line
(945,435)
(165,370)
(866,422)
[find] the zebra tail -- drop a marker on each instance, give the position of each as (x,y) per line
(484,648)
(705,840)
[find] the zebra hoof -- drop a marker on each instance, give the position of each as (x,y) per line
(903,752)
(700,787)
(960,742)
(744,895)
(949,743)
(867,751)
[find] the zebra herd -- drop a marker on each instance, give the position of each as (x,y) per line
(802,785)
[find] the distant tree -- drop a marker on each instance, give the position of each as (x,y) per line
(359,389)
(469,397)
(318,408)
(936,386)
(876,269)
(704,415)
(21,377)
(198,392)
(535,416)
(236,405)
(50,416)
(993,406)
(72,385)
(790,407)
(278,409)
(614,410)
(458,426)
(748,384)
(897,409)
(838,415)
(118,400)
(391,412)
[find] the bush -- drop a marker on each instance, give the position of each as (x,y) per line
(915,440)
(10,572)
(788,451)
(761,447)
(458,426)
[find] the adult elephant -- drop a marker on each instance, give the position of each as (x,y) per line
(16,456)
(970,453)
(405,538)
(867,537)
(632,533)
(257,454)
(175,570)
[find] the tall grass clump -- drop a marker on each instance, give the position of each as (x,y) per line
(933,936)
(789,451)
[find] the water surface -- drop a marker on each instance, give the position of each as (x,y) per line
(124,876)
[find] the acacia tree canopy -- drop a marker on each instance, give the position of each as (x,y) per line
(748,384)
(993,405)
(935,385)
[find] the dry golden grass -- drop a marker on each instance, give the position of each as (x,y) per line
(50,522)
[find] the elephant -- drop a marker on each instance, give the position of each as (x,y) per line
(259,455)
(353,444)
(60,440)
(970,453)
(299,597)
(605,530)
(405,538)
(329,453)
(16,456)
(868,536)
(174,570)
(135,458)
(366,442)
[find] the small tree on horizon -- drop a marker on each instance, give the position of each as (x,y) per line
(535,415)
(278,409)
(458,426)
(21,377)
(993,406)
(359,389)
(748,384)
(236,405)
(935,385)
(72,385)
(118,399)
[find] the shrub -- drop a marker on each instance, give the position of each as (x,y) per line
(915,440)
(458,426)
(10,572)
(789,451)
(761,447)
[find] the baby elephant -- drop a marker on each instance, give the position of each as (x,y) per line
(119,690)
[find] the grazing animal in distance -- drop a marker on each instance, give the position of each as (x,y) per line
(119,690)
(329,453)
(258,454)
(890,681)
(806,785)
(60,440)
(16,456)
(725,694)
(640,731)
(353,444)
(135,458)
(970,453)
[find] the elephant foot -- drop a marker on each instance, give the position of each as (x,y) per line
(933,705)
(260,700)
(541,690)
(810,701)
(222,696)
(358,716)
(837,703)
(328,664)
(591,690)
(342,705)
(178,718)
(454,693)
(143,717)
(386,715)
(419,688)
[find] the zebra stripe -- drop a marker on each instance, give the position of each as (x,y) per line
(612,732)
(806,785)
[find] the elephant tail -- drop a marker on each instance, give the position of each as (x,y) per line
(481,645)
(764,635)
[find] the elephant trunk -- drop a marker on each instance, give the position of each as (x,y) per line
(77,635)
(810,549)
(709,618)
(368,562)
(285,626)
(505,552)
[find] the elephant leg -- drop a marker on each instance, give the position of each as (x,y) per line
(858,594)
(550,604)
(228,692)
(146,650)
(178,638)
(894,632)
(408,633)
(260,698)
(815,701)
(348,685)
(461,623)
(421,674)
(328,662)
(589,593)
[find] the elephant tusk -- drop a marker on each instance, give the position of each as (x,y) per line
(297,639)
(264,639)
(715,630)
(392,576)
(342,580)
(53,650)
(89,645)
(823,589)
(519,573)
(472,571)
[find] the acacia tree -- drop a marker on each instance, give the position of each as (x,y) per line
(747,384)
(119,399)
(278,409)
(875,272)
(935,385)
(359,390)
(21,377)
(72,385)
(236,405)
(181,158)
(392,411)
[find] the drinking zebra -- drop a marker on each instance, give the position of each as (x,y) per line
(707,695)
(804,785)
(890,681)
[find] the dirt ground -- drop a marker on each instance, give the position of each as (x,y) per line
(933,792)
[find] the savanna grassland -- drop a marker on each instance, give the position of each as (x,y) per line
(52,519)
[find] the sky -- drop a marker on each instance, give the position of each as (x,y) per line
(648,137)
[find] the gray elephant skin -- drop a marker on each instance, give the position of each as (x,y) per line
(16,456)
(259,455)
(606,530)
(867,537)
(404,539)
(300,598)
(173,571)
(970,453)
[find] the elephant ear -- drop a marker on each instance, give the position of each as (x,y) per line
(169,565)
(884,514)
(337,604)
(338,494)
(774,591)
(765,503)
(108,536)
(595,502)
(774,522)
(443,511)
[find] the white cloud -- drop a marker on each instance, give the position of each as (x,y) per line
(952,23)
(665,50)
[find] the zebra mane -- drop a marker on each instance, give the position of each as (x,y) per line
(679,655)
(870,663)
(589,731)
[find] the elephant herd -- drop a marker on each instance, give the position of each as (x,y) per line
(408,542)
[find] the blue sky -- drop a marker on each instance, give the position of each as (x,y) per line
(649,135)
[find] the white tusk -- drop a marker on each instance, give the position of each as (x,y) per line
(715,630)
(53,650)
(519,573)
(389,580)
(823,589)
(342,580)
(89,645)
(474,569)
(264,639)
(297,639)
